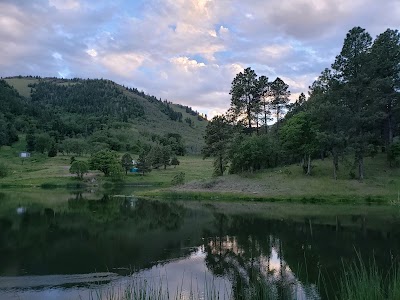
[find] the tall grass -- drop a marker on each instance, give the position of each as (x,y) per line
(143,289)
(367,282)
(359,281)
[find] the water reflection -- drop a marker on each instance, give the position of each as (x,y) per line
(254,264)
(66,248)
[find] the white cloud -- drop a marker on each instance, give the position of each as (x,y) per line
(187,51)
(65,4)
(57,56)
(123,64)
(276,51)
(91,52)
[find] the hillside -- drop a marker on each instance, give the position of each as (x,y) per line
(100,112)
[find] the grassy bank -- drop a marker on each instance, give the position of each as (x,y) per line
(288,183)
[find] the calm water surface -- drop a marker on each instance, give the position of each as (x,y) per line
(77,246)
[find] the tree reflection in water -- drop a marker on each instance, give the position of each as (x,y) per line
(254,264)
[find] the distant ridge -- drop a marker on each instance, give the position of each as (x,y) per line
(88,108)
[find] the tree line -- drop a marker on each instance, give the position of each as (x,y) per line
(353,109)
(109,162)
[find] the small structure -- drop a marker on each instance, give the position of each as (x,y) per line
(24,154)
(134,170)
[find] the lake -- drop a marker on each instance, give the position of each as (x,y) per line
(81,245)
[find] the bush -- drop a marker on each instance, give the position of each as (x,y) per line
(79,168)
(4,170)
(178,179)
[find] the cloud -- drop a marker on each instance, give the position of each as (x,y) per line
(65,4)
(186,51)
(123,64)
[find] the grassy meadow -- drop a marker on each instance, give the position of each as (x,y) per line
(21,85)
(381,185)
(41,171)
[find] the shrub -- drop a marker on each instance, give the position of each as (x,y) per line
(178,179)
(4,170)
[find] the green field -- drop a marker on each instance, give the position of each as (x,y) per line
(382,184)
(21,85)
(39,170)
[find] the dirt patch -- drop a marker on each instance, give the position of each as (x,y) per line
(231,184)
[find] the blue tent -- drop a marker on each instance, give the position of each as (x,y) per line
(134,170)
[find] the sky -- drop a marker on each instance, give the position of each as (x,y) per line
(185,51)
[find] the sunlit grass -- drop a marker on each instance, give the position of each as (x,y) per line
(21,85)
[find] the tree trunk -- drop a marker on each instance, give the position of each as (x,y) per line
(249,119)
(334,171)
(361,168)
(265,121)
(309,165)
(257,125)
(390,129)
(277,119)
(335,164)
(389,140)
(303,164)
(221,170)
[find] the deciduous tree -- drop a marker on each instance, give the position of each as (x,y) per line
(79,168)
(104,160)
(126,162)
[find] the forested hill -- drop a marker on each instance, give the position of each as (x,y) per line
(99,113)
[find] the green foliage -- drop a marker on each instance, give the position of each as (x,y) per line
(354,74)
(12,106)
(393,154)
(175,142)
(280,97)
(352,109)
(178,179)
(100,114)
(366,282)
(165,156)
(245,92)
(79,168)
(104,161)
(30,142)
(299,136)
(88,97)
(43,142)
(174,161)
(252,153)
(4,170)
(116,172)
(126,162)
(53,150)
(143,163)
(217,138)
(74,146)
(155,157)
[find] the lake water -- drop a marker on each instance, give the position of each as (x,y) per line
(59,245)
